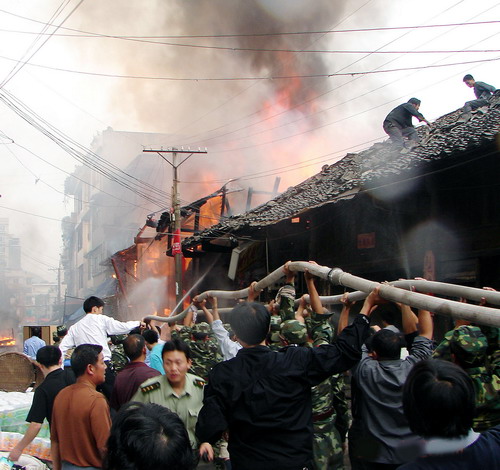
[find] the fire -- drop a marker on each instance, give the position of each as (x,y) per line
(5,341)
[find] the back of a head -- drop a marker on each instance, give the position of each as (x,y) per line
(133,346)
(468,77)
(200,331)
(92,302)
(386,344)
(469,345)
(151,336)
(250,322)
(48,356)
(147,436)
(36,331)
(415,101)
(439,399)
(84,355)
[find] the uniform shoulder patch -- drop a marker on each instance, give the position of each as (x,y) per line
(199,383)
(150,387)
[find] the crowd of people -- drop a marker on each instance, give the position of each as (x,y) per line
(268,390)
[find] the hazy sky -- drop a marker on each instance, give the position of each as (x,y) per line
(112,64)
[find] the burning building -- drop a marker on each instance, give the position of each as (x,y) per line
(381,214)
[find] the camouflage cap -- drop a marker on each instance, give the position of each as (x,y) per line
(275,323)
(202,327)
(469,344)
(294,332)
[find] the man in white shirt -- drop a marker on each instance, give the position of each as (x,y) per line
(228,347)
(94,328)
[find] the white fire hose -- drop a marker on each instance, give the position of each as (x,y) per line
(396,291)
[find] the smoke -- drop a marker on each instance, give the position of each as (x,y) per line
(189,110)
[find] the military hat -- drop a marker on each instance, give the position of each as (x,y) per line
(202,327)
(469,344)
(294,332)
(61,330)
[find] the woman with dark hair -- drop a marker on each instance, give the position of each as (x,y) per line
(146,436)
(439,403)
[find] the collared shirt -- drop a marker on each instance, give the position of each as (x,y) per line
(127,382)
(228,347)
(32,345)
(187,405)
(95,329)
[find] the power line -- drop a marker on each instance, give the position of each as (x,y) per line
(82,154)
(20,64)
(82,33)
(251,78)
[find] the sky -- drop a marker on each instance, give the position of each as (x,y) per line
(270,88)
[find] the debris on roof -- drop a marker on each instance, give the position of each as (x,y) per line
(449,137)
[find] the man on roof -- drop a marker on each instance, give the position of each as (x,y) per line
(482,91)
(398,123)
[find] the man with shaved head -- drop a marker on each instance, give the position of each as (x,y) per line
(133,374)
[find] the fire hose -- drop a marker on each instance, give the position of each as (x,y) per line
(397,291)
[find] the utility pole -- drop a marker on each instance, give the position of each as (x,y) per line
(176,245)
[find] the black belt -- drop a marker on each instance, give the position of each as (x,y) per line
(322,416)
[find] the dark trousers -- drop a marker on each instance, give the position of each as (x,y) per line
(397,133)
(474,104)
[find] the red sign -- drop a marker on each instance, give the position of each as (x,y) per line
(176,245)
(366,240)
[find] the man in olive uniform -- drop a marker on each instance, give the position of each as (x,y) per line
(177,390)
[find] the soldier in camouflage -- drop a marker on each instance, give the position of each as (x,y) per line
(467,346)
(327,445)
(204,349)
(118,357)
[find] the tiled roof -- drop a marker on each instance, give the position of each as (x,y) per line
(447,138)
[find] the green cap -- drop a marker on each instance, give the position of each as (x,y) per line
(294,332)
(469,344)
(202,327)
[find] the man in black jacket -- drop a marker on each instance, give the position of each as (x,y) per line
(263,397)
(398,123)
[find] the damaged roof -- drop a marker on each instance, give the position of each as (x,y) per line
(449,136)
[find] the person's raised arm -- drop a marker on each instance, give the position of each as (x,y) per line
(344,314)
(425,324)
(215,307)
(314,299)
(408,319)
(299,313)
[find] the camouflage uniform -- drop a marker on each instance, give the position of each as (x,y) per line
(118,357)
(327,448)
(204,352)
(470,346)
(273,341)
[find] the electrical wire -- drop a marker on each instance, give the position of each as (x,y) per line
(82,154)
(22,63)
(239,35)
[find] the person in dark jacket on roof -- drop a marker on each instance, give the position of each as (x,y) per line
(398,123)
(482,91)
